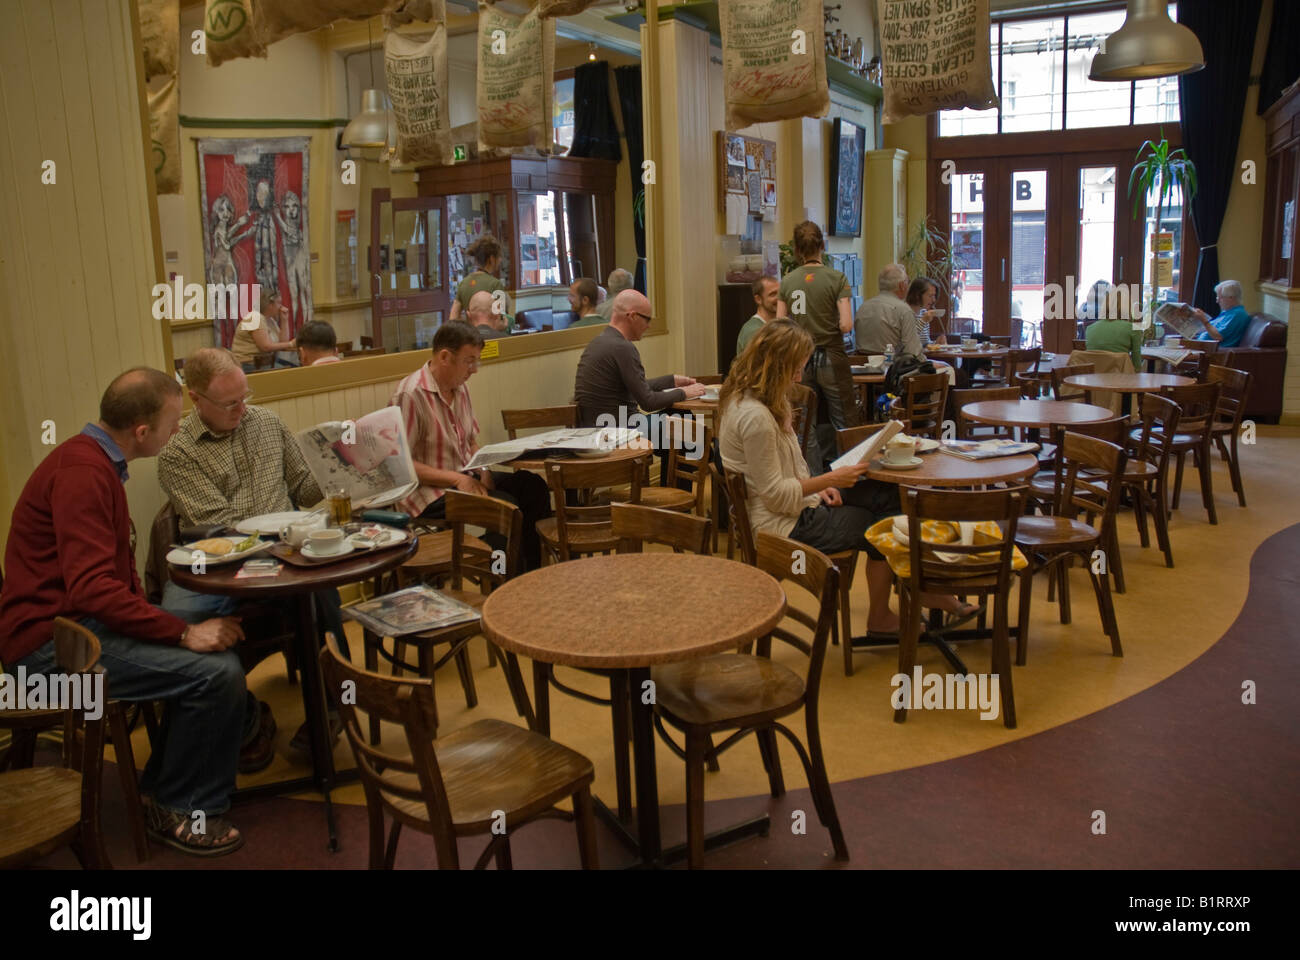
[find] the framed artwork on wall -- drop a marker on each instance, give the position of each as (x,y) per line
(848,151)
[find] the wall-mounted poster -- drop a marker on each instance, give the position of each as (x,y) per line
(967,246)
(848,146)
(252,196)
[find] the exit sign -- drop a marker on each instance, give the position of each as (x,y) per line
(459,153)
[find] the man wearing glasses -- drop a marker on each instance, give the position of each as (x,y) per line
(228,462)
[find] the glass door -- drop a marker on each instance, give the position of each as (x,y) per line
(410,295)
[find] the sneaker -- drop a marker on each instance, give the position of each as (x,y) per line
(302,739)
(257,754)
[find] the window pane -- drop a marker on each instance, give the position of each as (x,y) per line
(1096,237)
(563,109)
(1093,103)
(968,246)
(1028,251)
(960,123)
(538,264)
(1032,75)
(1156,101)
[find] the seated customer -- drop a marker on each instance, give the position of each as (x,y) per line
(480,315)
(69,555)
(766,291)
(886,320)
(1231,323)
(920,299)
(618,281)
(258,334)
(317,344)
(1114,332)
(583,298)
(829,512)
(443,436)
(486,254)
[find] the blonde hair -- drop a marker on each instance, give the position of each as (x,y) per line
(204,365)
(767,368)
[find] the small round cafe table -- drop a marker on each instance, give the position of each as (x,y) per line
(636,449)
(624,614)
(957,352)
(940,469)
(1128,382)
(296,584)
(1034,415)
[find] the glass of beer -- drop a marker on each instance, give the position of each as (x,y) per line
(340,505)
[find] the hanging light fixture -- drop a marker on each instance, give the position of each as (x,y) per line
(369,128)
(1148,45)
(591,52)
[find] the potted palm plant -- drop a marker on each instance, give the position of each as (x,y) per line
(1159,169)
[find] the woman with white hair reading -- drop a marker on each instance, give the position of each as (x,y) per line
(1231,323)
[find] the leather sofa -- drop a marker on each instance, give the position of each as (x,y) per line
(1262,354)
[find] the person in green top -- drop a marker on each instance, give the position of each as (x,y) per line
(1114,332)
(765,290)
(817,298)
(486,253)
(583,295)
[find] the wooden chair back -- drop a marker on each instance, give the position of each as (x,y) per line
(684,436)
(1197,404)
(1028,387)
(962,326)
(930,572)
(1092,470)
(1017,331)
(1159,423)
(1197,363)
(819,578)
(1078,344)
(803,403)
(551,417)
(76,652)
(495,516)
(969,430)
(163,532)
(850,437)
(1063,391)
(635,525)
(581,476)
(738,513)
(1000,340)
(925,397)
(1234,385)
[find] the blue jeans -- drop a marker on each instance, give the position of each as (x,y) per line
(194,762)
(193,607)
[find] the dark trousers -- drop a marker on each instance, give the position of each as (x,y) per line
(525,490)
(829,374)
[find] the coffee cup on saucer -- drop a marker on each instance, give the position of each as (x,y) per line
(327,542)
(900,450)
(968,344)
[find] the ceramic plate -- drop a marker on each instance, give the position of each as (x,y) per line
(311,554)
(270,524)
(183,557)
(909,465)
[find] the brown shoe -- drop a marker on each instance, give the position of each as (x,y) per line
(258,753)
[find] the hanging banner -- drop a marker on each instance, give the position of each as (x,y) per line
(773,60)
(229,32)
(516,63)
(416,73)
(160,28)
(164,132)
(935,57)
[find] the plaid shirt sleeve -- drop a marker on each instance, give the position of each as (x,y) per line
(195,497)
(304,489)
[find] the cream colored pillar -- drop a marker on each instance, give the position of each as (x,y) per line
(79,251)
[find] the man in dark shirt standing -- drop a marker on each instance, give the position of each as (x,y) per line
(69,554)
(611,379)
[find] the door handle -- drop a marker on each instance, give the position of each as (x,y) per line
(1004,269)
(1121,269)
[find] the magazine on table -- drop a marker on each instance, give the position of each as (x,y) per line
(566,438)
(868,448)
(986,449)
(369,457)
(1170,355)
(1180,317)
(411,610)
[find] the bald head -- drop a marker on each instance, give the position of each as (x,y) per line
(631,313)
(480,311)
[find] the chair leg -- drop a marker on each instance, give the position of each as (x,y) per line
(618,697)
(1234,470)
(1178,479)
(1140,513)
(846,625)
(820,785)
(1162,525)
(908,638)
(1207,479)
(695,746)
(771,760)
(493,656)
(466,677)
(370,656)
(1115,562)
(399,655)
(1063,571)
(375,815)
(585,822)
(1002,662)
(395,834)
(1106,607)
(503,859)
(1022,623)
(125,757)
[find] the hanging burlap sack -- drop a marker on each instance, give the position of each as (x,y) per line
(769,71)
(935,59)
(160,28)
(516,61)
(229,31)
(416,72)
(562,8)
(277,19)
(164,132)
(401,12)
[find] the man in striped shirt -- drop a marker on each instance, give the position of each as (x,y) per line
(443,436)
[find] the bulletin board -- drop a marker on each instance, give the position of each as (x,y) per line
(746,167)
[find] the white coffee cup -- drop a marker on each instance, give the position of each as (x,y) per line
(969,344)
(326,542)
(876,360)
(296,533)
(900,450)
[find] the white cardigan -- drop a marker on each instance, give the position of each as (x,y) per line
(753,444)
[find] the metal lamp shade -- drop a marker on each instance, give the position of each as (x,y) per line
(369,128)
(1149,44)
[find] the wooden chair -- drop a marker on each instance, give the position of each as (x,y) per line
(528,419)
(1093,471)
(468,562)
(803,402)
(680,433)
(1234,387)
(45,808)
(366,342)
(473,781)
(751,694)
(1062,390)
(1149,449)
(922,405)
(343,345)
(985,570)
(1078,344)
(969,429)
(584,531)
(637,524)
(1197,406)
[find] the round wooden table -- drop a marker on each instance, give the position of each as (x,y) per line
(300,583)
(1128,382)
(1034,414)
(638,448)
(962,353)
(939,469)
(624,614)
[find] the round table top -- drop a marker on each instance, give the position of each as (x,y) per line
(638,448)
(1034,413)
(697,405)
(293,580)
(1128,382)
(955,350)
(632,609)
(940,469)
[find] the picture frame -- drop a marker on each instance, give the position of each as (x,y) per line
(744,163)
(848,154)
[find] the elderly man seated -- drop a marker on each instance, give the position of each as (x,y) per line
(317,344)
(618,281)
(1231,323)
(490,324)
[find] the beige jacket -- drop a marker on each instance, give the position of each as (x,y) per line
(769,457)
(1105,362)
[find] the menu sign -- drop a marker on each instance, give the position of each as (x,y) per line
(773,60)
(935,56)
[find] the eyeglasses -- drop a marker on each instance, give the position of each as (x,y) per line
(644,316)
(230,407)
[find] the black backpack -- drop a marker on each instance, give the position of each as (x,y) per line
(904,366)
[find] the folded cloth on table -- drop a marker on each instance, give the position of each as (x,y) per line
(889,536)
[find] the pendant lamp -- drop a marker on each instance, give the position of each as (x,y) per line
(1149,44)
(369,128)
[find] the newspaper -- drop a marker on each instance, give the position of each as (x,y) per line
(576,438)
(869,447)
(1170,355)
(412,610)
(986,449)
(370,458)
(1180,317)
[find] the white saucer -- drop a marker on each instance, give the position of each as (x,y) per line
(311,554)
(909,465)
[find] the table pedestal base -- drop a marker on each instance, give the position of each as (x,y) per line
(758,826)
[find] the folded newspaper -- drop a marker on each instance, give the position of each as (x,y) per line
(1170,355)
(986,449)
(412,610)
(575,438)
(369,457)
(1180,317)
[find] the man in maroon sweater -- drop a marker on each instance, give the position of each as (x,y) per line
(69,554)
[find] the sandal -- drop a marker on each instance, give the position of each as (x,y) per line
(176,830)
